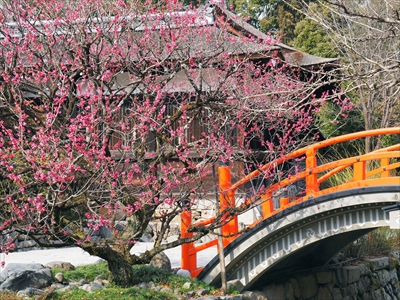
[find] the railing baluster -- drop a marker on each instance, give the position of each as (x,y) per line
(360,170)
(312,185)
(188,259)
(384,163)
(227,200)
(267,204)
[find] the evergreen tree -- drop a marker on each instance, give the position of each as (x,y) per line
(275,16)
(311,38)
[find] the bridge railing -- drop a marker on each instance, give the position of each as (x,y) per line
(380,167)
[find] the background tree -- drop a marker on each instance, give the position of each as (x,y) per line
(310,37)
(366,35)
(270,16)
(111,113)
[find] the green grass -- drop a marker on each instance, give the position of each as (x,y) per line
(88,272)
(112,294)
(145,273)
(142,273)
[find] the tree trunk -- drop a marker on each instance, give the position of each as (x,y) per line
(121,272)
(119,261)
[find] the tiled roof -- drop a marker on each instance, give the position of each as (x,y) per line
(292,56)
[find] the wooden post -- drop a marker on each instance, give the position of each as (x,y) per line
(284,202)
(360,169)
(220,244)
(267,204)
(227,199)
(188,258)
(385,162)
(311,179)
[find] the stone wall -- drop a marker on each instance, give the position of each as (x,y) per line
(375,279)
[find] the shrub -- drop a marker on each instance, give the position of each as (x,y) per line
(379,242)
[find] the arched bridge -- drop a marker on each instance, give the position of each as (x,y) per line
(301,232)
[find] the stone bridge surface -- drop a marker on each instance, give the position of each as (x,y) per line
(304,236)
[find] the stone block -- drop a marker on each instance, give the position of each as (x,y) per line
(384,277)
(67,289)
(202,292)
(347,275)
(183,273)
(57,285)
(395,254)
(353,273)
(120,225)
(336,294)
(394,279)
(22,238)
(236,284)
(29,292)
(324,277)
(364,270)
(389,290)
(324,294)
(59,277)
(341,277)
(288,291)
(379,295)
(274,291)
(105,232)
(351,290)
(295,286)
(60,265)
(95,239)
(161,261)
(26,244)
(364,284)
(378,263)
(260,295)
(307,285)
(16,277)
(91,287)
(249,295)
(186,285)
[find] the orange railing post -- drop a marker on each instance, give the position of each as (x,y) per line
(188,258)
(360,169)
(385,162)
(312,185)
(283,202)
(267,205)
(227,200)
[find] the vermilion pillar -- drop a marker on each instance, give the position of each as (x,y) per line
(312,185)
(189,257)
(227,199)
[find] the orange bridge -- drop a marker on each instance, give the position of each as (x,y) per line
(300,232)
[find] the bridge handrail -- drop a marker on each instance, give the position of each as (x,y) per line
(317,146)
(361,177)
(341,168)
